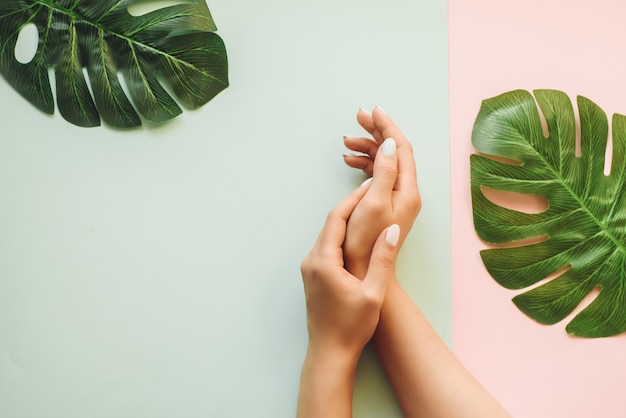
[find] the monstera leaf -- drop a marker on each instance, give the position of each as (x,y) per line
(89,43)
(579,242)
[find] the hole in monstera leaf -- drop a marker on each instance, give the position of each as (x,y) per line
(578,150)
(27,43)
(544,122)
(140,8)
(521,242)
(503,160)
(521,202)
(608,154)
(588,300)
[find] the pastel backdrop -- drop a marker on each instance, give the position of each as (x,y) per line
(496,46)
(155,273)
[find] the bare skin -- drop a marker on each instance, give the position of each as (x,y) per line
(342,313)
(354,247)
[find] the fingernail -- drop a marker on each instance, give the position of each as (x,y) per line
(389,147)
(349,155)
(380,108)
(363,110)
(366,182)
(393,235)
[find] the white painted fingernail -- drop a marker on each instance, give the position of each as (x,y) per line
(366,182)
(380,108)
(393,235)
(389,147)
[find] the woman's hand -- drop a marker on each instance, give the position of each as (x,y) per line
(342,313)
(392,196)
(342,310)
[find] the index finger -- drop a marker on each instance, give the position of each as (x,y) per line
(407,177)
(365,120)
(385,171)
(334,230)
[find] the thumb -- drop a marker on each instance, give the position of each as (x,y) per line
(383,259)
(385,170)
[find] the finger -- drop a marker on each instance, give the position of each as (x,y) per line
(334,230)
(360,162)
(383,259)
(407,177)
(385,171)
(362,145)
(365,120)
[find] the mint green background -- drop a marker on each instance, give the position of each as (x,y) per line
(155,273)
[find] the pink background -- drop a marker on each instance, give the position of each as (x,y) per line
(578,47)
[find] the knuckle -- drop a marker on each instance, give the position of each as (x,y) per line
(415,202)
(411,202)
(363,163)
(316,266)
(385,259)
(387,170)
(358,161)
(305,265)
(418,205)
(313,271)
(375,207)
(326,255)
(372,148)
(333,215)
(310,265)
(372,299)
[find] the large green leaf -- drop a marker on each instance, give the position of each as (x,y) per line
(582,232)
(172,47)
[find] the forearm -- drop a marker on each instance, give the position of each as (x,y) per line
(427,378)
(327,383)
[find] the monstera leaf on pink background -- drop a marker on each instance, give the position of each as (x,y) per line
(536,371)
(581,233)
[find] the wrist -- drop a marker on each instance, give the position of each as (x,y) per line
(324,355)
(327,382)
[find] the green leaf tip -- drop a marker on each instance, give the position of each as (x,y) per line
(526,143)
(96,49)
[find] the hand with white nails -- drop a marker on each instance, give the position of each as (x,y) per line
(352,296)
(342,312)
(392,195)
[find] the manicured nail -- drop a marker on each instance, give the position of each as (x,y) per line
(349,155)
(393,235)
(380,108)
(389,147)
(363,110)
(366,182)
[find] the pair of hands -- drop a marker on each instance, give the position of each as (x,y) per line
(352,296)
(347,272)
